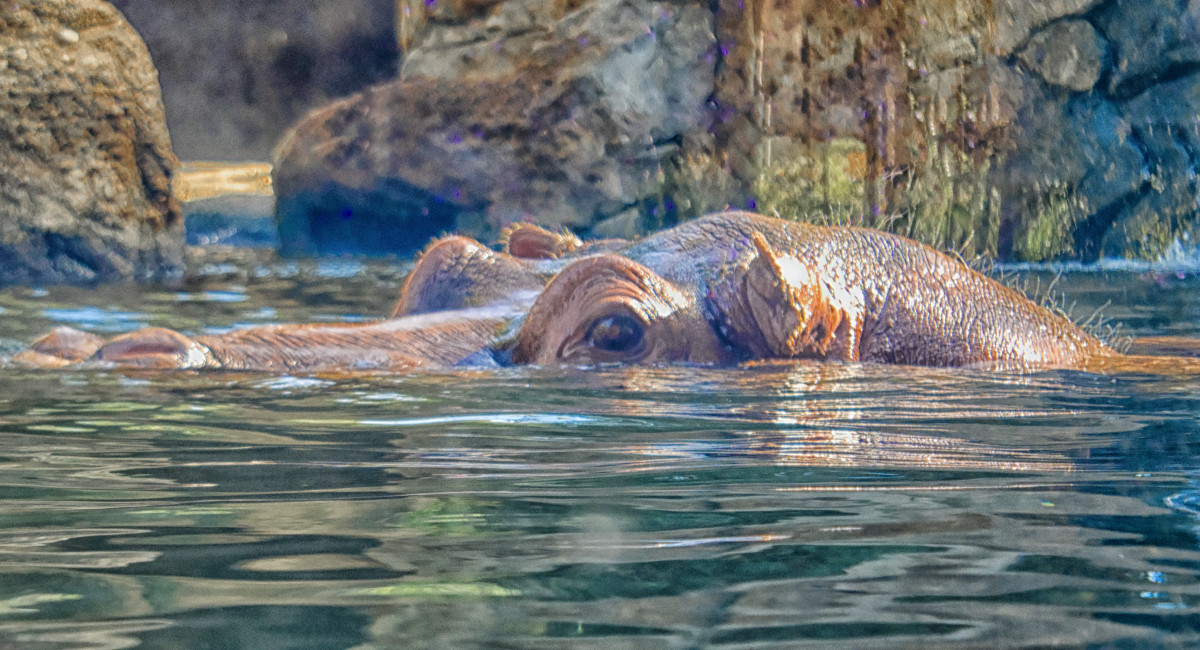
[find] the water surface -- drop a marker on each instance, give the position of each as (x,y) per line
(776,506)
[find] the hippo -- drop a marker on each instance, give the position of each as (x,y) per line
(724,289)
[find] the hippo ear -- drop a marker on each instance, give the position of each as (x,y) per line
(786,307)
(527,241)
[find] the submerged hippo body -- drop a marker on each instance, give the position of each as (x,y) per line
(722,289)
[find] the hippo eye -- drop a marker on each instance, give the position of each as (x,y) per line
(617,334)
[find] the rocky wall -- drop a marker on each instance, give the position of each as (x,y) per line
(1026,129)
(1062,128)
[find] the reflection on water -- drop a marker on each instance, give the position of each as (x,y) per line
(778,505)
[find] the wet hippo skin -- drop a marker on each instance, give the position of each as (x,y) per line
(723,289)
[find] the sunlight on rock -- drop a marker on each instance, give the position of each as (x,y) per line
(206,180)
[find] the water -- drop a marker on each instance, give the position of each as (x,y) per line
(775,506)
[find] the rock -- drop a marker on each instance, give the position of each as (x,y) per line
(1134,163)
(1165,126)
(85,159)
(1078,115)
(236,73)
(1128,149)
(1148,37)
(1068,54)
(649,59)
(1106,148)
(570,124)
(1084,143)
(1014,20)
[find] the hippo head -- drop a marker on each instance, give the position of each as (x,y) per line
(608,308)
(597,306)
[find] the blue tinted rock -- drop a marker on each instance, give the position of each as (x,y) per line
(1068,53)
(1144,34)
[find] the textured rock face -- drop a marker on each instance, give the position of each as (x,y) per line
(1128,143)
(1149,37)
(236,73)
(559,114)
(1164,127)
(1092,99)
(819,70)
(1015,20)
(1016,128)
(1067,54)
(85,159)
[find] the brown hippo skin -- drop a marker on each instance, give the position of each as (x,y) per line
(722,289)
(439,340)
(741,287)
(459,297)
